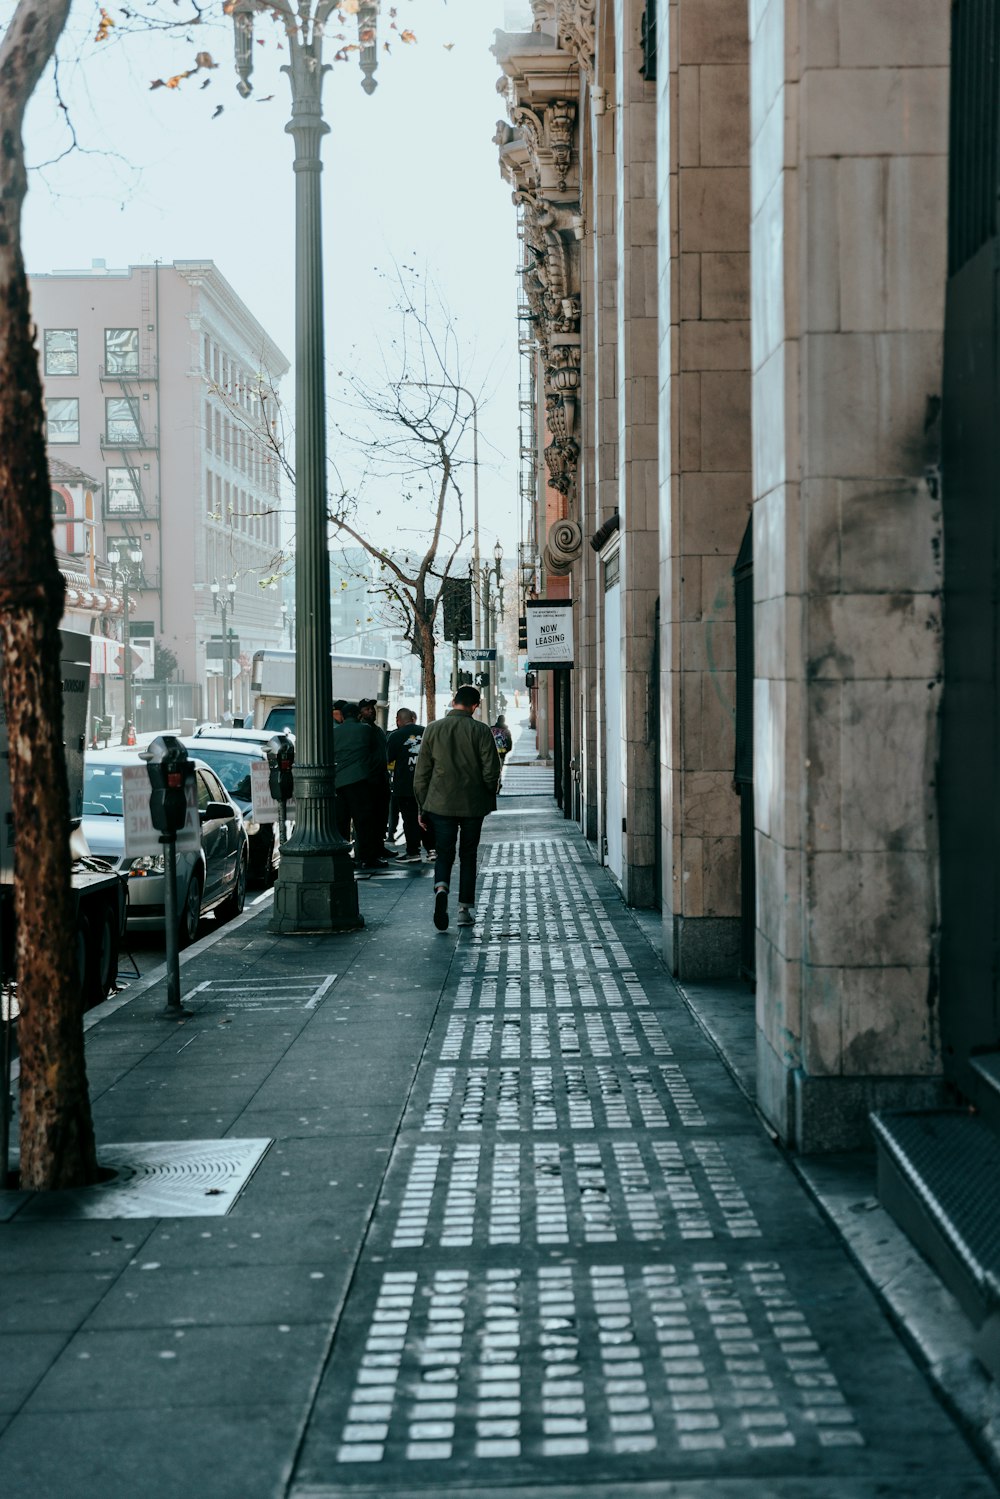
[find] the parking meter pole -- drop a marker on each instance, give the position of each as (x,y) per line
(283,822)
(173,1007)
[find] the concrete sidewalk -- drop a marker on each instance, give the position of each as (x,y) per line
(517,1231)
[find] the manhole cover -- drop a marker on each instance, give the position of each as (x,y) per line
(159,1179)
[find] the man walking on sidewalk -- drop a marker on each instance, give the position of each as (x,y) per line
(455,784)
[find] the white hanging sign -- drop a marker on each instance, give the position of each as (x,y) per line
(550,633)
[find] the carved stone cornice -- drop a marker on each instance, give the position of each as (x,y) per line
(577,32)
(539,156)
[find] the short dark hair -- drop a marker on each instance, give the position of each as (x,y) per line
(467,697)
(339,704)
(350,710)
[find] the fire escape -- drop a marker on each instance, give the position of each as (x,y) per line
(130,437)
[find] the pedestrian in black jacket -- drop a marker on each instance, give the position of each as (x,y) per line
(359,761)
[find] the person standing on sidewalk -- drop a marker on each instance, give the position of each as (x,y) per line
(359,759)
(455,784)
(402,748)
(367,713)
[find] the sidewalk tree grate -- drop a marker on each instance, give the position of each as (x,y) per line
(159,1179)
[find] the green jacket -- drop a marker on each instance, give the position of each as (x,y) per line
(458,768)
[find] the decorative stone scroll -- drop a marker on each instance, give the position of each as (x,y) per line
(563,547)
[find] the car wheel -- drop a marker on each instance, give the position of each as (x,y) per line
(190,913)
(102,959)
(236,900)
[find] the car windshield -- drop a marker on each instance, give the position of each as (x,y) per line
(232,769)
(102,791)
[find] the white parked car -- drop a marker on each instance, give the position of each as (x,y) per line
(210,878)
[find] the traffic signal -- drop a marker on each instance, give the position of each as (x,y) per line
(465,679)
(456,602)
(482,678)
(522,633)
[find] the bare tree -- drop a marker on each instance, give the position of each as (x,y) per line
(408,425)
(57,1135)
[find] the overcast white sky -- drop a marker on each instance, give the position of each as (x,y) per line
(410,176)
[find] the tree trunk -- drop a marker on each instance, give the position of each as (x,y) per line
(57,1136)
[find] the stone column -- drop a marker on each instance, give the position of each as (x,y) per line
(705,467)
(635,157)
(849,127)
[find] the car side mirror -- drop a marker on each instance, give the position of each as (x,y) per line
(217,811)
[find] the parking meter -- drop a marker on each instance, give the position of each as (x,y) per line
(169,770)
(280,758)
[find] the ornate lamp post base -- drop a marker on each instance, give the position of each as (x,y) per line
(316,893)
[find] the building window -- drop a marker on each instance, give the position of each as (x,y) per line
(122,492)
(62,351)
(648,42)
(62,417)
(121,351)
(121,419)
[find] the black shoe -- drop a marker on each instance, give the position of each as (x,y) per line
(441,910)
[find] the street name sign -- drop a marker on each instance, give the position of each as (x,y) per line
(486,655)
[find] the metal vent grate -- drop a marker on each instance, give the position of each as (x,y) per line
(159,1179)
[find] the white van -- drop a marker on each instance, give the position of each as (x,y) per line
(272,684)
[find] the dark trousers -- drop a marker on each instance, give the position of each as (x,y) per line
(356,803)
(395,812)
(381,790)
(415,834)
(466,832)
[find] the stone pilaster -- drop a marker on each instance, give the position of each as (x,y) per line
(849,134)
(705,480)
(635,199)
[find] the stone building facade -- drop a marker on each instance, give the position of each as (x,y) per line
(735,224)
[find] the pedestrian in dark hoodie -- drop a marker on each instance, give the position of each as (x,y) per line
(359,756)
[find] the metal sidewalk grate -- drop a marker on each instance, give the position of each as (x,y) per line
(159,1179)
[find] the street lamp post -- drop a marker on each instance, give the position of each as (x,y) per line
(484,580)
(315,890)
(224,602)
(126,572)
(288,621)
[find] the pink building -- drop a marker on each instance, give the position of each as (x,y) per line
(162,385)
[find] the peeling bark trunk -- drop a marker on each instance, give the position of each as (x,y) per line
(425,641)
(57,1136)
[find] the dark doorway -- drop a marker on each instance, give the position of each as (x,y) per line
(969,789)
(743,588)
